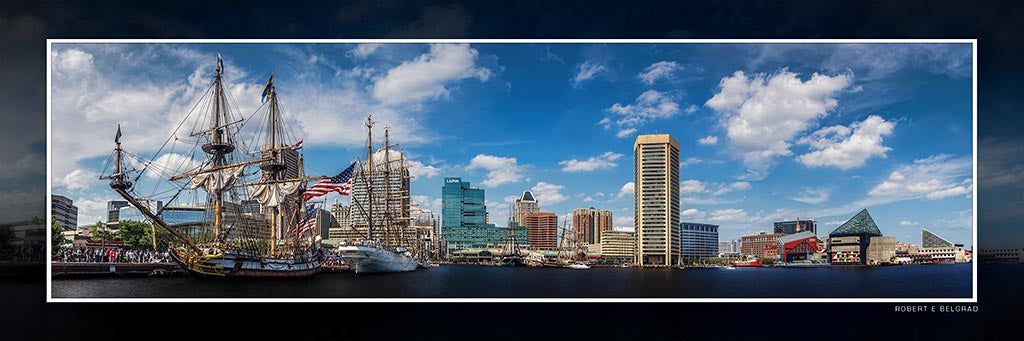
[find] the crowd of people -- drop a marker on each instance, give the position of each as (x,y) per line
(110,255)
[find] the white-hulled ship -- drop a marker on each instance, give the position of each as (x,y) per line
(382,249)
(234,236)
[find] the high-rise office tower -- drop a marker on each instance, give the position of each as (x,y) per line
(527,203)
(64,211)
(541,229)
(656,199)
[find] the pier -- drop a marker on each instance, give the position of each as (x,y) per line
(61,269)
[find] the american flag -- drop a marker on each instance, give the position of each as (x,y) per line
(309,221)
(340,183)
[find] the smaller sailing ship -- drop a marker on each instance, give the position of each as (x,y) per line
(382,249)
(510,253)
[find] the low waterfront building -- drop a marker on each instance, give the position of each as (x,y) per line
(797,247)
(756,245)
(1001,256)
(881,250)
(618,246)
(848,243)
(940,249)
(700,241)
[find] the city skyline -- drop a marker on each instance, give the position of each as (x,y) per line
(895,131)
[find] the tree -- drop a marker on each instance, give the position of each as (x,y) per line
(99,232)
(56,235)
(134,234)
(7,238)
(139,235)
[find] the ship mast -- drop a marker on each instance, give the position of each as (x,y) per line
(219,147)
(369,177)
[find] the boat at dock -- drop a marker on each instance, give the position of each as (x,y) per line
(254,221)
(747,263)
(385,208)
(579,266)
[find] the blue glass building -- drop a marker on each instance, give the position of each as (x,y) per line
(464,217)
(700,241)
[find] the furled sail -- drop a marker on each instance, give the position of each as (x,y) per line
(216,181)
(271,195)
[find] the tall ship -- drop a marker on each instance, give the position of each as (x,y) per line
(231,188)
(381,199)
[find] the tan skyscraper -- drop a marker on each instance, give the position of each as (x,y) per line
(589,223)
(525,204)
(656,199)
(541,229)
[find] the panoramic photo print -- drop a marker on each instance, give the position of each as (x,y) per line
(476,170)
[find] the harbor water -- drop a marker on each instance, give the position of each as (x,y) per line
(467,281)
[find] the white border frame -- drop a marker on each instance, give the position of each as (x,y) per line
(974,194)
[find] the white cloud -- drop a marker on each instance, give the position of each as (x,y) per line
(589,199)
(548,193)
(90,210)
(835,146)
(690,161)
(662,69)
(907,223)
(934,177)
(603,161)
(501,170)
(651,104)
(427,203)
(364,50)
(691,186)
(692,212)
(623,133)
(732,215)
(627,190)
(763,113)
(419,170)
(426,76)
(168,165)
(835,222)
(735,186)
(813,196)
(623,221)
(708,141)
(586,71)
(77,179)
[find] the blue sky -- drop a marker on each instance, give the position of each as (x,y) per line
(768,132)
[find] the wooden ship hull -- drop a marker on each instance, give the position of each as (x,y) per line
(234,263)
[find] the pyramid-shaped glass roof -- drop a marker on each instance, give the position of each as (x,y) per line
(859,224)
(929,239)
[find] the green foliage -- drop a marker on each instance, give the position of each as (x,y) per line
(7,238)
(99,232)
(134,234)
(139,235)
(56,235)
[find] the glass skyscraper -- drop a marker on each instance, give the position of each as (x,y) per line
(464,217)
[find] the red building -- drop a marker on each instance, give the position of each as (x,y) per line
(800,246)
(756,245)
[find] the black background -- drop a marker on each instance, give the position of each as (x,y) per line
(24,315)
